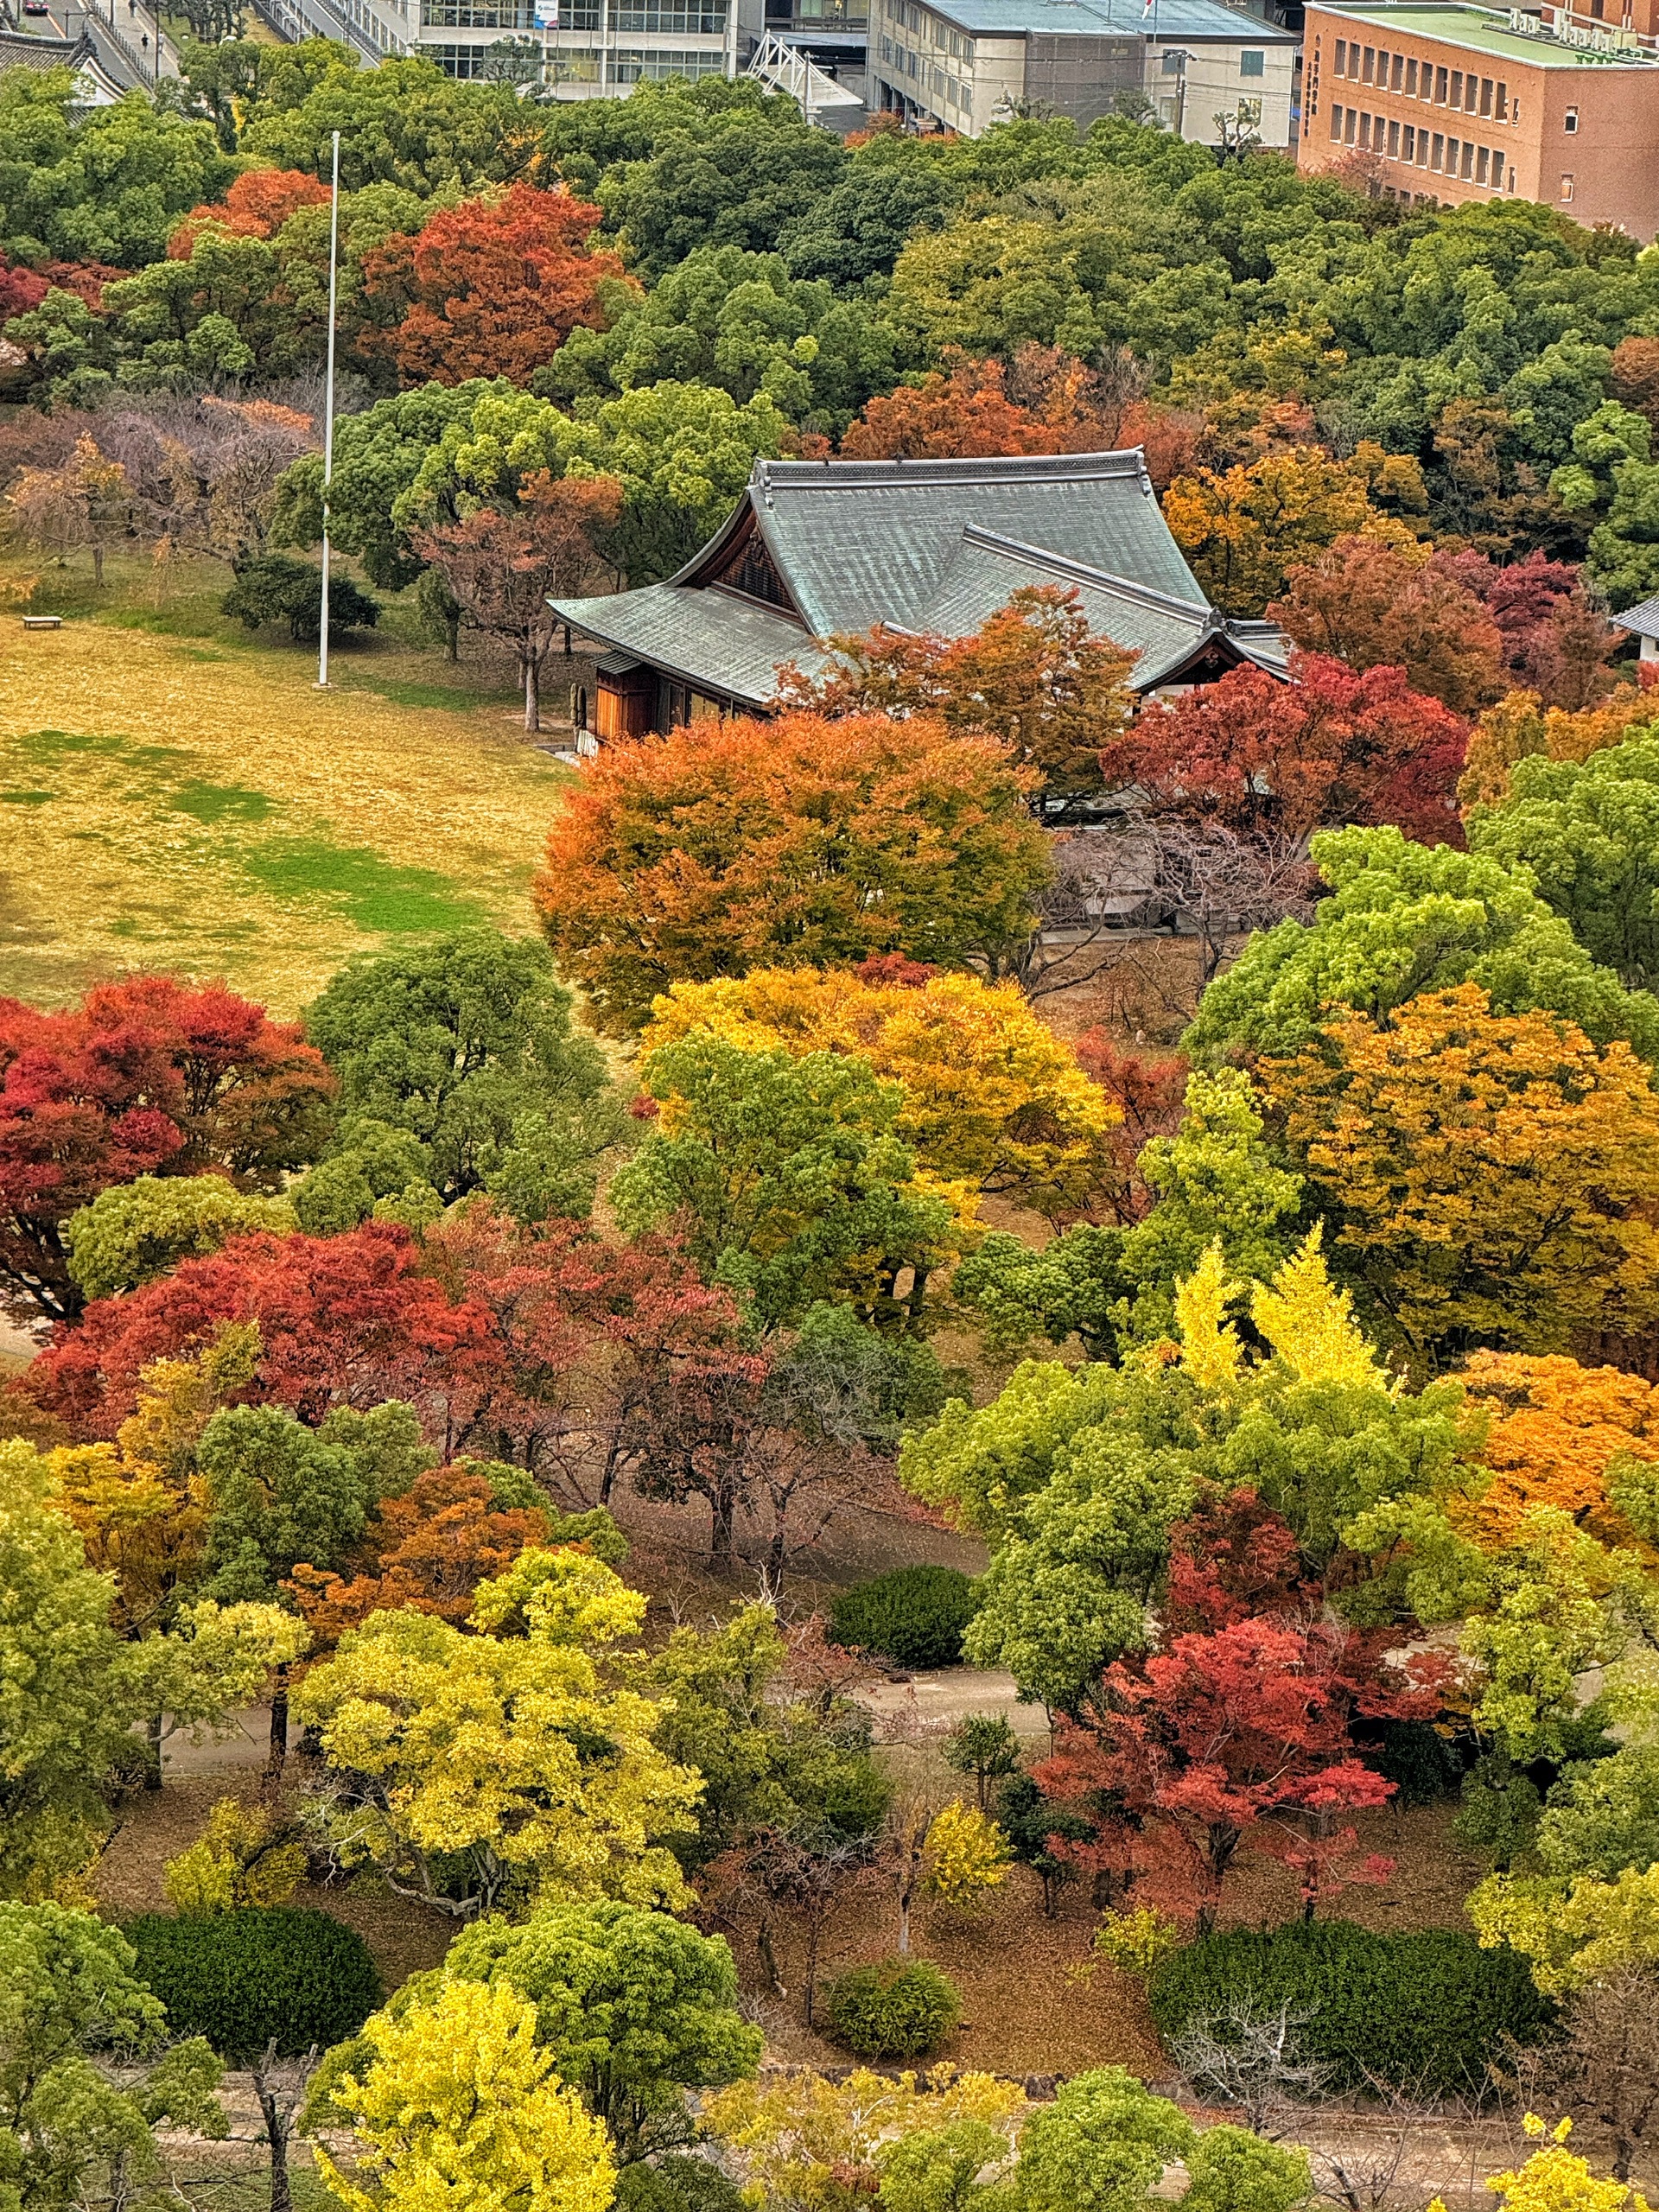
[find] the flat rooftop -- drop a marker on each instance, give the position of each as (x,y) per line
(1483,30)
(1164,19)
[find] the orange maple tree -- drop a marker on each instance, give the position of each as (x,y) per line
(432,1548)
(1557,1430)
(491,287)
(256,206)
(1491,1178)
(1032,674)
(1519,727)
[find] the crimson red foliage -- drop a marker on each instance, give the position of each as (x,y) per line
(20,290)
(1148,1089)
(144,1076)
(343,1320)
(1329,748)
(1554,642)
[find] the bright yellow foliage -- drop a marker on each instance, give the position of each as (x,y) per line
(239,1859)
(459,2110)
(967,1853)
(993,1099)
(1134,1941)
(1556,2180)
(1575,1929)
(1310,1323)
(811,2145)
(1556,1431)
(1210,1351)
(490,1745)
(1489,1175)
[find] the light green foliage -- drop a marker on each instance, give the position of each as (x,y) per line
(215,1660)
(135,1231)
(790,1179)
(635,2008)
(938,2169)
(1060,1604)
(96,184)
(1603,1816)
(67,1700)
(1230,2169)
(1101,2146)
(71,349)
(740,322)
(68,1988)
(1589,831)
(220,313)
(982,1465)
(1613,476)
(984,1746)
(1073,1286)
(459,1070)
(1406,918)
(770,1757)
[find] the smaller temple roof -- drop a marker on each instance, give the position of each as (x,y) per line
(1641,621)
(728,646)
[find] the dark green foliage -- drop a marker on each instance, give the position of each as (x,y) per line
(273,588)
(1425,2012)
(915,1616)
(240,1978)
(1423,1765)
(902,2008)
(859,228)
(1030,1821)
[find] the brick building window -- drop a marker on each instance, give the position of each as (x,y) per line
(1570,121)
(1567,187)
(1336,122)
(1411,81)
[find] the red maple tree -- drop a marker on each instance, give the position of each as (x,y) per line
(1148,1088)
(144,1076)
(492,287)
(1240,1731)
(343,1320)
(1551,639)
(1331,746)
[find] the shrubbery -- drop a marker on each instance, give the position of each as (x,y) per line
(1424,2012)
(273,588)
(240,1978)
(914,1616)
(902,2008)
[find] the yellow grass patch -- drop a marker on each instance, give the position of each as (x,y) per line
(206,811)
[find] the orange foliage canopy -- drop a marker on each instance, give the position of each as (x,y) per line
(800,842)
(436,1543)
(489,289)
(256,206)
(1557,1429)
(1048,402)
(1374,605)
(1519,727)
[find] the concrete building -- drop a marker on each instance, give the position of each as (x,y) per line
(1446,103)
(960,65)
(599,47)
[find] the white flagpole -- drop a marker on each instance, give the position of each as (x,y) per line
(329,414)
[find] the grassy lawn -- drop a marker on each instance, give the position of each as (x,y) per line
(182,797)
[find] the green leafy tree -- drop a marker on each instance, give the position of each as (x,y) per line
(135,1232)
(69,2135)
(984,1746)
(1405,918)
(272,589)
(465,1048)
(70,348)
(790,1178)
(636,2008)
(859,226)
(1230,2169)
(218,315)
(404,122)
(1101,2146)
(99,184)
(67,1699)
(736,185)
(1589,831)
(740,321)
(1613,476)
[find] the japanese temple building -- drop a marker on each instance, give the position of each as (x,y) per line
(816,548)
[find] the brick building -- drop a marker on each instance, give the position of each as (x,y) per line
(1442,104)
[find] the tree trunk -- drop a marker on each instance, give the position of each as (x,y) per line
(769,1958)
(722,1514)
(815,1929)
(532,694)
(277,1758)
(98,561)
(153,1773)
(904,1923)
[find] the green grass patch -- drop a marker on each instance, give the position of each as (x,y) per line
(375,893)
(454,697)
(47,746)
(27,798)
(212,802)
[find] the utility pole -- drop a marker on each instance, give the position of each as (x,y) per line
(329,414)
